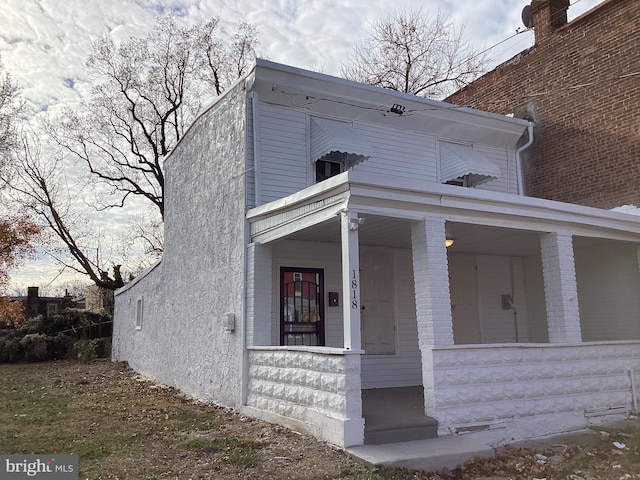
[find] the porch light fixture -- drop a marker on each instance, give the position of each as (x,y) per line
(355,222)
(448,242)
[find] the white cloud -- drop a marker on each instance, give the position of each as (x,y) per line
(44,43)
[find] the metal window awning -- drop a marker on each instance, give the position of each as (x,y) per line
(330,136)
(458,161)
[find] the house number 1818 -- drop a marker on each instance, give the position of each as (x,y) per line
(354,291)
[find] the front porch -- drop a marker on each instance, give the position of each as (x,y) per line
(532,316)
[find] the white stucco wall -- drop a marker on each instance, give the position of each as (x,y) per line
(200,280)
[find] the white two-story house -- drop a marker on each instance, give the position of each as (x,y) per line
(332,247)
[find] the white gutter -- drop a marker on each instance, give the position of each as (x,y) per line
(519,160)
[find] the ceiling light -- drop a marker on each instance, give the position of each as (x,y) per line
(448,242)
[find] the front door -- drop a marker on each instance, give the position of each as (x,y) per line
(301,306)
(377,291)
(463,287)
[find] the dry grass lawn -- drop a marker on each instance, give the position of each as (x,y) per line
(125,427)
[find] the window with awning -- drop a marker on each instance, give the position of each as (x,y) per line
(336,146)
(462,165)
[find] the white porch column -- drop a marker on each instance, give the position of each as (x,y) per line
(433,301)
(560,288)
(349,223)
(259,295)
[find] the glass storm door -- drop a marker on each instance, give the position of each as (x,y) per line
(301,306)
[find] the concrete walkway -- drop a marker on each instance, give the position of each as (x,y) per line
(431,454)
(451,451)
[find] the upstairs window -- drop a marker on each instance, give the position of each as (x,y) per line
(329,166)
(335,147)
(463,166)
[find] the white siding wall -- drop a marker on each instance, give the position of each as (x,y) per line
(250,174)
(283,151)
(608,291)
(285,167)
(399,153)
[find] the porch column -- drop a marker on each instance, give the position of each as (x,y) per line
(349,223)
(560,288)
(433,301)
(259,295)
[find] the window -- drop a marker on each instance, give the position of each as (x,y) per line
(464,166)
(335,147)
(301,306)
(52,308)
(139,313)
(327,169)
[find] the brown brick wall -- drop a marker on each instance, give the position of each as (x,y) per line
(580,84)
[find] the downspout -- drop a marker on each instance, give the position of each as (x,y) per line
(519,159)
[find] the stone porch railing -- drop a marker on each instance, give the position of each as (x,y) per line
(537,389)
(313,389)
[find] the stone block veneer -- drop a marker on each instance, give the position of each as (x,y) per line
(319,389)
(496,385)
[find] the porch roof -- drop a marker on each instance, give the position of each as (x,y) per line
(391,204)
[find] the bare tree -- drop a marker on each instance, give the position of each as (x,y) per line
(39,186)
(415,53)
(148,91)
(9,109)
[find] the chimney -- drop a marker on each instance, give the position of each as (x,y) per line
(32,301)
(548,16)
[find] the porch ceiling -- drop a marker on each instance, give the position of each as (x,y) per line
(391,232)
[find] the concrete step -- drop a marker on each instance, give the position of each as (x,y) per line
(396,415)
(378,436)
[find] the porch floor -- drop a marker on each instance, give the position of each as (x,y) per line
(396,415)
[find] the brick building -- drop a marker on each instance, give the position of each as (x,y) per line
(580,84)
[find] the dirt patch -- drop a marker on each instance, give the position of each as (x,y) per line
(125,426)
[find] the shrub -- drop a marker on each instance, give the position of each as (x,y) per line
(34,346)
(33,325)
(89,350)
(59,347)
(10,350)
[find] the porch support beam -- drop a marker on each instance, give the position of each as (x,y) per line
(560,288)
(433,301)
(349,223)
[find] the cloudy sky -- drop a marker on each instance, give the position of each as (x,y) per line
(44,43)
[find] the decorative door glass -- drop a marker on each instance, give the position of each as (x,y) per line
(301,306)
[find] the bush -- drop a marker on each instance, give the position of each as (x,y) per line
(10,350)
(52,338)
(89,350)
(34,346)
(60,347)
